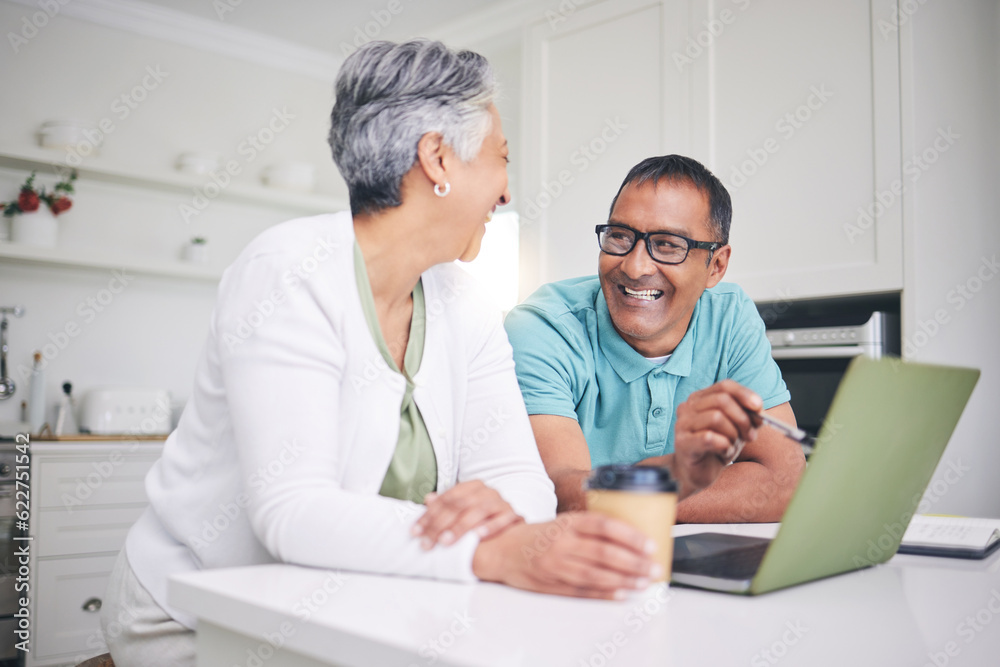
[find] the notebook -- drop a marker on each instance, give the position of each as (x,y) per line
(881,440)
(952,536)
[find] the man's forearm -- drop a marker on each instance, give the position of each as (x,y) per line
(745,492)
(569,489)
(684,485)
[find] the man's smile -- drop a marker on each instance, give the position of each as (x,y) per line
(643,294)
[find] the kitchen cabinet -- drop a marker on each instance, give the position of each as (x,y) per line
(794,106)
(598,98)
(85,496)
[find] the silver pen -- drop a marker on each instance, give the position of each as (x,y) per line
(807,441)
(789,431)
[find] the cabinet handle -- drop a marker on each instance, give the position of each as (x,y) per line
(93,605)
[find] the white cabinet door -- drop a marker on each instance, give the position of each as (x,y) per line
(67,610)
(599,98)
(795,106)
(62,532)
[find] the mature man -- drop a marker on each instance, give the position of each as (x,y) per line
(655,361)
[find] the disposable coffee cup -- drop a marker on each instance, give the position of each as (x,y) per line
(644,497)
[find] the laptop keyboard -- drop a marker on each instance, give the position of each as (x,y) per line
(701,554)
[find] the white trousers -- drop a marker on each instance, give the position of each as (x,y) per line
(137,630)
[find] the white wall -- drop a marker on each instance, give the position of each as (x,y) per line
(951,79)
(150,334)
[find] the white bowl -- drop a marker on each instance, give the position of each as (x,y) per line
(69,133)
(297,176)
(198,162)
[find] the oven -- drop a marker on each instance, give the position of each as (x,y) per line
(813,343)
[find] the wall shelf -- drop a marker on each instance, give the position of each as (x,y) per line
(98,169)
(92,259)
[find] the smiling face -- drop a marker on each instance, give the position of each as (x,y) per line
(480,186)
(651,303)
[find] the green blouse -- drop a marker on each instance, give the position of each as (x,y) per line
(413,470)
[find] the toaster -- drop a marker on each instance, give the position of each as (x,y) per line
(114,411)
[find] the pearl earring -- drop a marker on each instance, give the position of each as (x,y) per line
(442,192)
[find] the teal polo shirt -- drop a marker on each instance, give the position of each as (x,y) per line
(571,362)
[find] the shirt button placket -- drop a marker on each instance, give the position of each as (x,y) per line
(656,420)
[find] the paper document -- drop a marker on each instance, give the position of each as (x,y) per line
(939,534)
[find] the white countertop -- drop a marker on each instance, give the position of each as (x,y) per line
(907,612)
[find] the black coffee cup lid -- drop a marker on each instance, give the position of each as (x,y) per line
(639,479)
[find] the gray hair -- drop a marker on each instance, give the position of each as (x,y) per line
(389,96)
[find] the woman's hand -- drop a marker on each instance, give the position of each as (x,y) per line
(464,507)
(582,554)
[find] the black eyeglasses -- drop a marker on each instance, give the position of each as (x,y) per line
(663,247)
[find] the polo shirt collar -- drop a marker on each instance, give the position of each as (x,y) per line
(629,364)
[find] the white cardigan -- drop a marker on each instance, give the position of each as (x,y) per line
(294,418)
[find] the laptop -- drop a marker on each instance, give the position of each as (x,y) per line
(882,438)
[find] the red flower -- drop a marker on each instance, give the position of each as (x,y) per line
(60,204)
(28,200)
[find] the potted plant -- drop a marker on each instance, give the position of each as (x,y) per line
(33,213)
(196,250)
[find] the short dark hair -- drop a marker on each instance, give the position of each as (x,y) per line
(679,169)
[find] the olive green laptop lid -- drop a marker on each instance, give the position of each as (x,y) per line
(886,430)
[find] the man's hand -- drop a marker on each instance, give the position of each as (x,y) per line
(582,554)
(711,427)
(464,507)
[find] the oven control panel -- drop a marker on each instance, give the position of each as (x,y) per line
(869,333)
(833,336)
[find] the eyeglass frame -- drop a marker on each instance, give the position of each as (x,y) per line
(645,236)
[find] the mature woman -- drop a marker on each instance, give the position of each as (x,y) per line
(353,373)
